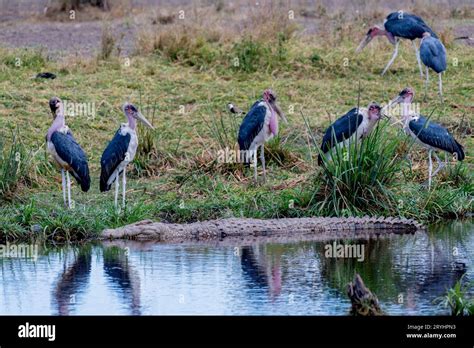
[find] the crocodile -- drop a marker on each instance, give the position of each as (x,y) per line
(317,228)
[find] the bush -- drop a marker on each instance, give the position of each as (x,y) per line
(356,178)
(250,55)
(107,43)
(14,164)
(459,298)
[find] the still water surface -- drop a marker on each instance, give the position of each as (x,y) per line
(406,272)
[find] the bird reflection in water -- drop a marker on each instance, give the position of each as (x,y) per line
(262,269)
(75,277)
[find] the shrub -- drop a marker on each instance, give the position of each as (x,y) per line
(14,165)
(355,179)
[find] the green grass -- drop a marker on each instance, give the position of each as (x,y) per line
(14,165)
(459,299)
(357,179)
(176,177)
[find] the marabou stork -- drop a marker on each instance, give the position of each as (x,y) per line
(427,133)
(258,126)
(354,125)
(66,152)
(399,25)
(121,151)
(433,55)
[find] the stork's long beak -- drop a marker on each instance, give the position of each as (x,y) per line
(280,113)
(364,43)
(396,100)
(142,118)
(397,122)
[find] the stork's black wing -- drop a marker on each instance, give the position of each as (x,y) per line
(433,54)
(437,136)
(251,125)
(113,155)
(71,152)
(341,130)
(408,26)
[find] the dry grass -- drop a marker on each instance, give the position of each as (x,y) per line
(107,44)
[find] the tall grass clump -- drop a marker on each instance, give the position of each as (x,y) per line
(107,43)
(248,55)
(147,154)
(223,132)
(25,58)
(459,298)
(153,150)
(182,44)
(356,179)
(14,164)
(251,54)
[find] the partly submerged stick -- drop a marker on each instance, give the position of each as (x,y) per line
(364,302)
(320,228)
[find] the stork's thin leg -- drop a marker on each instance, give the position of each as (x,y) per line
(63,177)
(124,187)
(255,164)
(440,87)
(430,169)
(117,178)
(68,182)
(395,52)
(427,81)
(262,158)
(417,52)
(426,85)
(441,164)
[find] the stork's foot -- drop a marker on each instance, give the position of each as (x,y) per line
(258,183)
(426,184)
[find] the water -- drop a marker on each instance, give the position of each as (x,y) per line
(406,272)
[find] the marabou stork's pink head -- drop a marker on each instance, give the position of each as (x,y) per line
(405,96)
(56,106)
(373,32)
(132,113)
(374,112)
(270,98)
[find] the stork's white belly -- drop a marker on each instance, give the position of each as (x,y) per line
(130,154)
(54,154)
(265,134)
(52,150)
(363,130)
